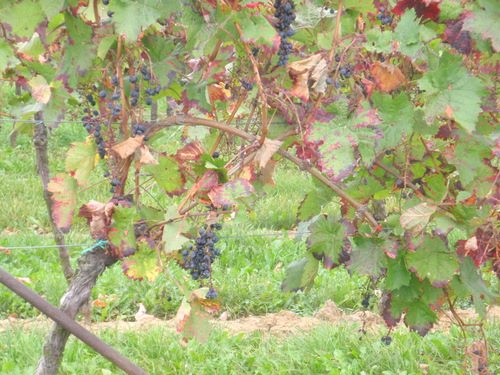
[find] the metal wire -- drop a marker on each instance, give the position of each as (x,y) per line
(147,123)
(93,244)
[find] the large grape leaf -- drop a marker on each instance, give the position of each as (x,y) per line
(80,160)
(193,315)
(79,52)
(451,91)
(311,204)
(121,232)
(474,283)
(255,28)
(434,261)
(397,117)
(51,7)
(368,256)
(7,58)
(326,240)
(130,18)
(63,188)
(342,141)
(174,232)
(416,218)
(419,317)
(411,34)
(468,159)
(484,20)
(397,274)
(231,191)
(144,263)
(300,274)
(21,18)
(167,175)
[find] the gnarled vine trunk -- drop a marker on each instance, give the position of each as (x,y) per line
(40,141)
(90,266)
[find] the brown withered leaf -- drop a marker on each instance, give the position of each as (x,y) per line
(248,173)
(309,76)
(387,76)
(266,151)
(97,215)
(145,158)
(266,175)
(128,147)
(218,92)
(192,151)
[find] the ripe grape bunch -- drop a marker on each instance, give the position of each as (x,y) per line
(284,14)
(199,258)
(92,126)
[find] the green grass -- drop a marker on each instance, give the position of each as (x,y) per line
(248,276)
(325,350)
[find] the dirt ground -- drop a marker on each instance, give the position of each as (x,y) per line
(279,324)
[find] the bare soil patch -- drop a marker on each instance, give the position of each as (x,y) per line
(278,324)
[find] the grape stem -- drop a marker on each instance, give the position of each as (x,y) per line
(195,121)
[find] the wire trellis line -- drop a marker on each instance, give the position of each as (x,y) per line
(91,244)
(28,121)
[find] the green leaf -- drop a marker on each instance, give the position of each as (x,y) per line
(21,18)
(231,191)
(484,20)
(379,41)
(63,188)
(406,33)
(143,264)
(435,187)
(367,257)
(397,117)
(80,160)
(362,6)
(397,274)
(416,218)
(434,261)
(313,202)
(300,274)
(168,176)
(174,232)
(468,159)
(133,17)
(326,240)
(51,7)
(419,317)
(340,141)
(121,232)
(7,57)
(452,91)
(475,285)
(255,28)
(193,320)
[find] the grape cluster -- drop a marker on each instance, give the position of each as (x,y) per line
(246,85)
(347,70)
(387,339)
(92,126)
(284,14)
(200,257)
(91,100)
(366,301)
(139,129)
(384,17)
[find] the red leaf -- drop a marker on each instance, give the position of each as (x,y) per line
(428,9)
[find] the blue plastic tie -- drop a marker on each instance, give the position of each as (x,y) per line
(98,244)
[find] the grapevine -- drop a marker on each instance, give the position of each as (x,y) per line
(392,110)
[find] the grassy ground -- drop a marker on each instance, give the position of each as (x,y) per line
(248,276)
